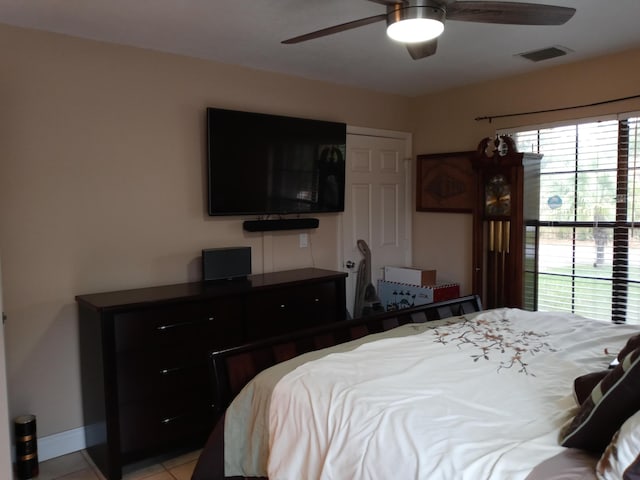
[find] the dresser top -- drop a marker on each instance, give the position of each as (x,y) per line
(202,290)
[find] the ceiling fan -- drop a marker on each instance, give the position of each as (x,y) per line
(418,23)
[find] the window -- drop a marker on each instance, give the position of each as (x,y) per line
(583,252)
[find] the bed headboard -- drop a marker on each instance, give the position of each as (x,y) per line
(233,367)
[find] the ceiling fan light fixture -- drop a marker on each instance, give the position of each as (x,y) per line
(415,30)
(415,23)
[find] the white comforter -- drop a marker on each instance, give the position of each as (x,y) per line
(479,399)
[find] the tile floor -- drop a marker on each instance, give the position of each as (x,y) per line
(78,466)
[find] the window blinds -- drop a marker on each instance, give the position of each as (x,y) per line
(583,253)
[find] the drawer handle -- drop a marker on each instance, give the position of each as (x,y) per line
(167,371)
(169,326)
(168,420)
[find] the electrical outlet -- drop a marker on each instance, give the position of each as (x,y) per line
(304,240)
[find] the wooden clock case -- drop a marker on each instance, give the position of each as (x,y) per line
(507,196)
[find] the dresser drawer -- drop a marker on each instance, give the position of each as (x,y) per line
(150,425)
(160,375)
(285,310)
(179,324)
(317,301)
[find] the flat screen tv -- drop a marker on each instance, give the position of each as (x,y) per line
(260,164)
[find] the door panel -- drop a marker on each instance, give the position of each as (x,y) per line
(377,205)
(390,221)
(360,224)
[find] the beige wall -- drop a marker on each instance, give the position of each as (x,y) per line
(102,157)
(445,122)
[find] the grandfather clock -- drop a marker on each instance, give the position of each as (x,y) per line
(508,197)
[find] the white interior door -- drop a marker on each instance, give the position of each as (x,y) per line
(5,439)
(377,203)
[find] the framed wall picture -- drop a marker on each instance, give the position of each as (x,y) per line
(445,183)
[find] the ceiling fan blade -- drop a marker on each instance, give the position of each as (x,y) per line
(511,13)
(389,2)
(422,49)
(336,29)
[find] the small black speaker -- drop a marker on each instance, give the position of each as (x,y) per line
(280,224)
(226,263)
(26,447)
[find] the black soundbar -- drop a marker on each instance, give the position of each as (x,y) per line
(280,224)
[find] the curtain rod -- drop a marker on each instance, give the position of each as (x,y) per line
(491,117)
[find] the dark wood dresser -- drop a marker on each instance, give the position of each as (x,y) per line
(145,379)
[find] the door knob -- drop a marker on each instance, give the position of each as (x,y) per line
(350,264)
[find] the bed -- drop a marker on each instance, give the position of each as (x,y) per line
(439,392)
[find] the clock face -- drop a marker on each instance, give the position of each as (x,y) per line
(497,196)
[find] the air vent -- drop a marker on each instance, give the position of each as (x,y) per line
(544,54)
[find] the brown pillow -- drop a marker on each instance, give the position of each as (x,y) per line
(584,384)
(614,399)
(632,344)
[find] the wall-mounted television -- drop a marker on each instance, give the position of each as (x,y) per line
(261,164)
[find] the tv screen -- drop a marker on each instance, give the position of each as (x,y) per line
(260,164)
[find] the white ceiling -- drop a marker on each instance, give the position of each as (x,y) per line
(249,32)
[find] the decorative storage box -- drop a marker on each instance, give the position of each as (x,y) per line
(396,296)
(411,276)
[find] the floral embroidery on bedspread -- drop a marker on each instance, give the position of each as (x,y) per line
(490,338)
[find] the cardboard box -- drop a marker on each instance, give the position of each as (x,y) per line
(411,276)
(396,296)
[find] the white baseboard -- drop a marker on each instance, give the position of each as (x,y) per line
(61,443)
